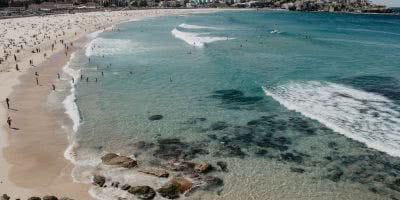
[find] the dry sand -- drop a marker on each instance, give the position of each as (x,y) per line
(31,154)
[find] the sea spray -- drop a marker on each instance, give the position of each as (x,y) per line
(366,117)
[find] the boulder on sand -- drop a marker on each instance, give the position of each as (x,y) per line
(34,198)
(50,198)
(122,161)
(155,172)
(143,192)
(5,197)
(182,183)
(99,180)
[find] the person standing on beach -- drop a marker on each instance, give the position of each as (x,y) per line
(8,103)
(15,57)
(54,87)
(9,122)
(73,80)
(58,75)
(16,67)
(37,78)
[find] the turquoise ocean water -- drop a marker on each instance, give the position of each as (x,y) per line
(300,105)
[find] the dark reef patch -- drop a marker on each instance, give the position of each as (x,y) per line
(174,149)
(236,99)
(383,85)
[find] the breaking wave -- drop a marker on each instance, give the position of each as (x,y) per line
(190,26)
(106,47)
(196,39)
(366,117)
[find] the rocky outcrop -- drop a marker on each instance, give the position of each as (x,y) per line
(182,184)
(117,160)
(202,167)
(99,180)
(175,187)
(155,172)
(143,192)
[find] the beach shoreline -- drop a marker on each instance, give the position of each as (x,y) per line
(32,165)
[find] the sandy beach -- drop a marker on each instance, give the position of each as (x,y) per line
(31,151)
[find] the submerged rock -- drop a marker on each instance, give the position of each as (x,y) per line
(155,172)
(223,165)
(144,145)
(121,161)
(155,117)
(50,198)
(211,182)
(125,187)
(219,126)
(99,180)
(143,192)
(169,191)
(297,170)
(115,184)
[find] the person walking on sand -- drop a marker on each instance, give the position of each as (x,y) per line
(8,103)
(58,75)
(16,67)
(15,57)
(9,122)
(37,81)
(73,80)
(54,87)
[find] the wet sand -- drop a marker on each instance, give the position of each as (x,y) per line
(36,141)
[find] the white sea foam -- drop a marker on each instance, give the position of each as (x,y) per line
(103,46)
(71,109)
(190,26)
(69,102)
(196,39)
(366,117)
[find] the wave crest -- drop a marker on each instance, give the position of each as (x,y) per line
(366,117)
(196,39)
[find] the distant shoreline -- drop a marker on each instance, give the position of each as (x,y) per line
(120,9)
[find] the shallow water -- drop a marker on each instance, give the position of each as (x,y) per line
(291,101)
